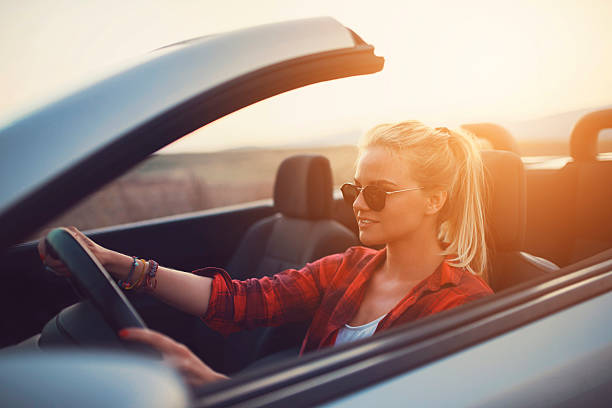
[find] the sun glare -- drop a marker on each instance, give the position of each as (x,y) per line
(446,61)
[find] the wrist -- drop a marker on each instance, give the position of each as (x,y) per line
(105,257)
(117,264)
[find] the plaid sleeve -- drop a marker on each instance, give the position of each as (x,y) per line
(220,312)
(289,296)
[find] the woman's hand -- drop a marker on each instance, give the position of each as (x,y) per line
(193,370)
(57,265)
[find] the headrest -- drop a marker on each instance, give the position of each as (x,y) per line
(497,135)
(303,187)
(583,141)
(506,181)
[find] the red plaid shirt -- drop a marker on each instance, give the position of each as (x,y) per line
(329,291)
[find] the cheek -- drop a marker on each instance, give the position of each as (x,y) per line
(396,220)
(403,219)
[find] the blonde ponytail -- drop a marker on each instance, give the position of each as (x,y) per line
(449,160)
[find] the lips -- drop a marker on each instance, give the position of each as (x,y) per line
(364,222)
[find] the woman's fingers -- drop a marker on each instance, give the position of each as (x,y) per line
(54,264)
(43,252)
(154,339)
(57,267)
(98,251)
(78,235)
(58,270)
(41,249)
(51,263)
(193,370)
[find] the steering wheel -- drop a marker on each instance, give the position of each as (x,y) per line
(105,311)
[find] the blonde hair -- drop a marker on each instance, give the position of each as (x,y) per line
(448,160)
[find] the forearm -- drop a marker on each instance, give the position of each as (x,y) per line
(182,290)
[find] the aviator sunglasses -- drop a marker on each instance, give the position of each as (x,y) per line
(374,196)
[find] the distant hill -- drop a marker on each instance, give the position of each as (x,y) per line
(553,127)
(550,135)
(547,135)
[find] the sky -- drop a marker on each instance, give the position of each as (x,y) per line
(447,62)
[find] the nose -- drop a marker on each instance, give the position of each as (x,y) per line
(360,204)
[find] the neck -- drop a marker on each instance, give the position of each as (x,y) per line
(413,258)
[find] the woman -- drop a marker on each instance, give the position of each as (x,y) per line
(418,191)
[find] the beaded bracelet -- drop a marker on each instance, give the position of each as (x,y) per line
(151,278)
(140,280)
(131,285)
(136,284)
(125,283)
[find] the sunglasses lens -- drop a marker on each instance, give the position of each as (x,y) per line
(374,197)
(350,193)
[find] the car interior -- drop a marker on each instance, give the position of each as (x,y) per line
(544,215)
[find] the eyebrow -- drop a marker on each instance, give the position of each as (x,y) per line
(378,182)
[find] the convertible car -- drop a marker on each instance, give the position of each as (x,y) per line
(543,339)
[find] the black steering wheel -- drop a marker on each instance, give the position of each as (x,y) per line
(105,310)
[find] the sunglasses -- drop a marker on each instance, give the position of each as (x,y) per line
(374,196)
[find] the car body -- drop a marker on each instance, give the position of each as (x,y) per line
(524,346)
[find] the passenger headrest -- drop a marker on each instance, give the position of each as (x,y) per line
(499,137)
(303,187)
(506,180)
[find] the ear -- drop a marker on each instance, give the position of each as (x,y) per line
(435,201)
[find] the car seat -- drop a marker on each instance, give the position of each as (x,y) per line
(301,231)
(509,265)
(592,217)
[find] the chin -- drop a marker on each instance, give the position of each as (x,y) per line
(370,240)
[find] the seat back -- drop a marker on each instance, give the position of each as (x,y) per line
(593,206)
(508,264)
(301,231)
(570,199)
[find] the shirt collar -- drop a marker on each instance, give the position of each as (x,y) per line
(353,294)
(445,274)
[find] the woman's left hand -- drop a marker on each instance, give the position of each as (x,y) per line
(194,371)
(57,266)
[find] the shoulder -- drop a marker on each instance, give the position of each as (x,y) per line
(466,289)
(472,286)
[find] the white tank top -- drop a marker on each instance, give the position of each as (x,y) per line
(348,333)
